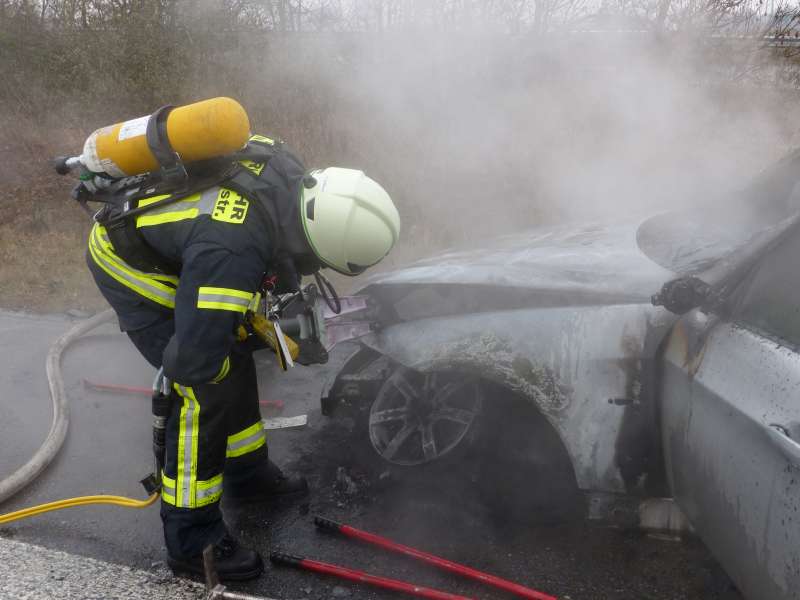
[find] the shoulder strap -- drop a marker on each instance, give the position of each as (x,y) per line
(129,209)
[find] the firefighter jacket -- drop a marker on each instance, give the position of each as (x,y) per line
(222,242)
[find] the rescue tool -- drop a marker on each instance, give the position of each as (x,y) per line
(330,526)
(386,583)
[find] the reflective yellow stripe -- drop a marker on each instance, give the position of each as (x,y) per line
(185,208)
(167,217)
(211,483)
(150,285)
(253,167)
(103,245)
(245,433)
(227,292)
(221,306)
(149,201)
(217,298)
(246,441)
(188,436)
(167,489)
(262,139)
(223,372)
(130,281)
(208,491)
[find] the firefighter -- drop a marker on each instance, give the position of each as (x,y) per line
(212,251)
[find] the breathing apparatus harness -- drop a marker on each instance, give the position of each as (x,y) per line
(174,180)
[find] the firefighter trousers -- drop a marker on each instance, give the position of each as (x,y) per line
(214,433)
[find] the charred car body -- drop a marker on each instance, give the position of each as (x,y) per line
(698,402)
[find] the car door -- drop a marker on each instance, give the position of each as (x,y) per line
(730,425)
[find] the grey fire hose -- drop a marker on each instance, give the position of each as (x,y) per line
(58,429)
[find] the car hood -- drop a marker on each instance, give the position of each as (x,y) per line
(597,259)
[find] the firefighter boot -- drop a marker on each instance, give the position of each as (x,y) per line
(232,561)
(260,482)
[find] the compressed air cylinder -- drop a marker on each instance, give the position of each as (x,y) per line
(196,131)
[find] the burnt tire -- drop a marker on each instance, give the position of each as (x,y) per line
(418,418)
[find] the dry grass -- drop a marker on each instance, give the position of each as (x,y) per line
(41,252)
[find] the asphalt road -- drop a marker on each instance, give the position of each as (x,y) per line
(445,509)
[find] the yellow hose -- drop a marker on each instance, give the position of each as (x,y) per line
(79,501)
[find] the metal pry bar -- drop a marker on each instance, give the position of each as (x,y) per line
(396,585)
(446,565)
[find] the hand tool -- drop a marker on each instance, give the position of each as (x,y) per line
(362,577)
(333,527)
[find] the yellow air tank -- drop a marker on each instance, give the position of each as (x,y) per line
(196,131)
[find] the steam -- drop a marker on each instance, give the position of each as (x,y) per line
(476,135)
(476,128)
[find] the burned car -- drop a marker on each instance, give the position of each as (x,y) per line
(661,356)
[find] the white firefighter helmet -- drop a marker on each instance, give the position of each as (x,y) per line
(349,220)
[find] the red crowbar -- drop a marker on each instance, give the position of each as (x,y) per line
(361,577)
(387,544)
(142,391)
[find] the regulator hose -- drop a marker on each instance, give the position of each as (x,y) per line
(57,434)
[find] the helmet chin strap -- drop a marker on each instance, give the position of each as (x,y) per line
(328,293)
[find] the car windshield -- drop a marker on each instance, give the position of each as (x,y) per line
(691,241)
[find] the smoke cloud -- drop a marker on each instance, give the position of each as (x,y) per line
(480,134)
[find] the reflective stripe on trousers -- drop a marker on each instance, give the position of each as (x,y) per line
(246,441)
(186,491)
(208,491)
